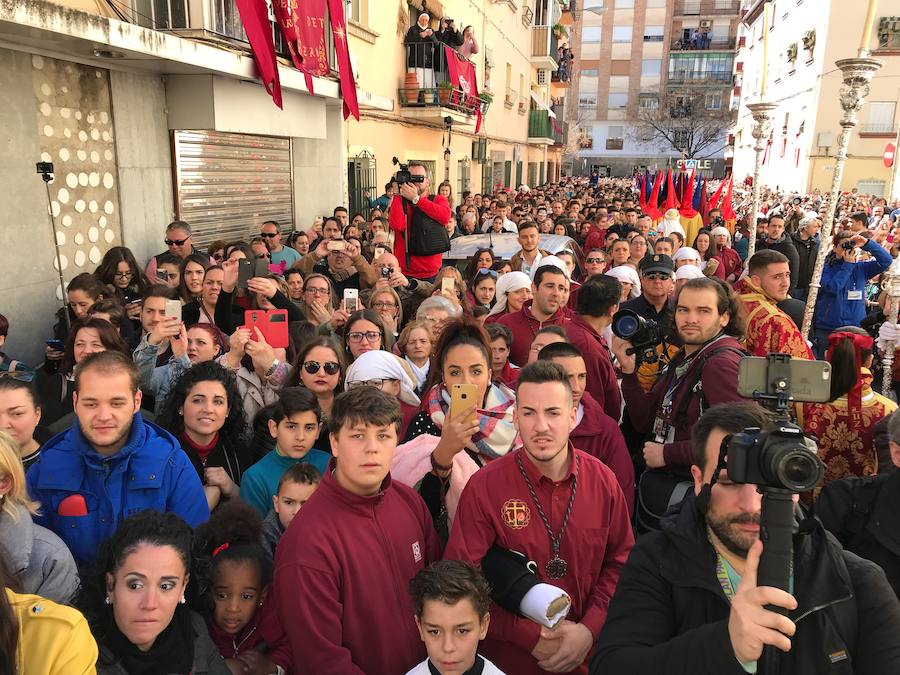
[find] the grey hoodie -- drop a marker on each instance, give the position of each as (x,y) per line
(39,558)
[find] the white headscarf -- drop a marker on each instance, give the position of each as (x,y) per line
(427,20)
(626,274)
(509,283)
(716,231)
(551,260)
(687,253)
(689,272)
(381,364)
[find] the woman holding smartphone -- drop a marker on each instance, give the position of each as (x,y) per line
(479,425)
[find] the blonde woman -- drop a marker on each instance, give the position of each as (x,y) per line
(36,556)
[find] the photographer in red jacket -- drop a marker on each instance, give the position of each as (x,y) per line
(419,221)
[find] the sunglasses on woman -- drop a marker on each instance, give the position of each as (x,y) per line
(487,272)
(313,367)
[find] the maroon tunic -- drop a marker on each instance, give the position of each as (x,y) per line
(524,327)
(601,375)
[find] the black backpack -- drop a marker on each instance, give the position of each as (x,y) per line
(424,235)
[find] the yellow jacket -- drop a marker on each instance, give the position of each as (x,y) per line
(53,639)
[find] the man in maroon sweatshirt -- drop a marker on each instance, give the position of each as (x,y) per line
(598,300)
(408,209)
(702,374)
(550,290)
(343,566)
(563,509)
(597,433)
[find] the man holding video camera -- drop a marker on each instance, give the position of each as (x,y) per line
(419,223)
(688,596)
(702,374)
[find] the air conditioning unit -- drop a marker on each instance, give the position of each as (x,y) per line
(543,76)
(706,23)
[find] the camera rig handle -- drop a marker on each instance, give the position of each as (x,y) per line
(777,560)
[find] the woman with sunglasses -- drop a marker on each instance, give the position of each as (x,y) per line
(385,371)
(364,332)
(485,431)
(482,289)
(86,337)
(119,270)
(482,259)
(204,412)
(20,413)
(216,251)
(386,303)
(320,368)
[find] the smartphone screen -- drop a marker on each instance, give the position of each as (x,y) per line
(351,300)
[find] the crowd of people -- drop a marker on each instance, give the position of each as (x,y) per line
(328,451)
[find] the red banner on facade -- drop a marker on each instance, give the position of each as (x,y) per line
(255,17)
(342,52)
(302,23)
(462,76)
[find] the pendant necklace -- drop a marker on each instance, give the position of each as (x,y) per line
(557,567)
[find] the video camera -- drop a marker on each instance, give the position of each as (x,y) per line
(403,175)
(643,334)
(781,460)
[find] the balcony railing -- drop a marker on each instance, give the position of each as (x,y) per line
(544,42)
(539,125)
(428,84)
(878,128)
(698,76)
(701,43)
(707,7)
(217,19)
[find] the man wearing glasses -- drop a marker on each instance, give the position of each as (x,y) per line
(279,253)
(179,239)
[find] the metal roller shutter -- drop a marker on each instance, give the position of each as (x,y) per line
(227,184)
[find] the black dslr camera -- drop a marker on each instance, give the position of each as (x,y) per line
(780,457)
(643,334)
(403,175)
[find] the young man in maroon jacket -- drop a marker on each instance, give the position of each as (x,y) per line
(596,432)
(409,207)
(342,567)
(563,509)
(550,291)
(598,301)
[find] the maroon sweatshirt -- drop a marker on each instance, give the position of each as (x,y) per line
(718,379)
(599,435)
(341,574)
(601,375)
(524,327)
(263,630)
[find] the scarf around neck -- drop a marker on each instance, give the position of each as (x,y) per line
(496,433)
(172,652)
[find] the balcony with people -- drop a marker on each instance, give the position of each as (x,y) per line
(702,40)
(440,76)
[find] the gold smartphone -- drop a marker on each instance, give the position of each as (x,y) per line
(462,397)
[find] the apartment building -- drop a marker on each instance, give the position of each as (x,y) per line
(149,112)
(421,116)
(806,37)
(636,55)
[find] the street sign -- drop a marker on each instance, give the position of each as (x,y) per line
(888,156)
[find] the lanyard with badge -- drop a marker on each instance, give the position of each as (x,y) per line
(663,429)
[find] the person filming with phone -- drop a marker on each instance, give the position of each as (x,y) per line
(419,221)
(842,295)
(341,261)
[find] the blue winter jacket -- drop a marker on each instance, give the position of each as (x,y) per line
(150,472)
(840,280)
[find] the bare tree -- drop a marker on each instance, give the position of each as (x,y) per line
(693,122)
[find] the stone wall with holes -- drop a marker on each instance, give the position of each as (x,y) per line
(76,134)
(58,112)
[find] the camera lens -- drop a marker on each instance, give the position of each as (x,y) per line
(626,326)
(797,470)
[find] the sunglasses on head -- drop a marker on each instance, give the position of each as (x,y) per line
(487,272)
(313,367)
(176,242)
